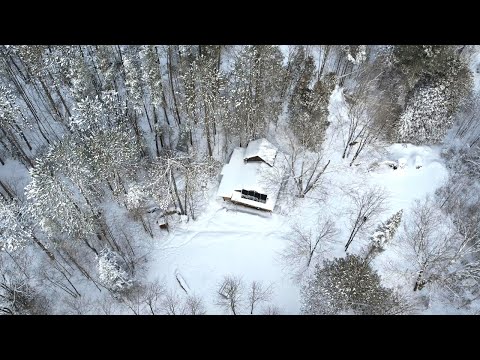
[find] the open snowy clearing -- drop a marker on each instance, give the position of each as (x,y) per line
(227,242)
(123,170)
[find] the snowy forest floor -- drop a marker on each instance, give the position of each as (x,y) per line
(223,241)
(216,238)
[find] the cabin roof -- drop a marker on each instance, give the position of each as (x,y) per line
(262,148)
(257,176)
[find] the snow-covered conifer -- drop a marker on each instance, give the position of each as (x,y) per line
(348,284)
(111,273)
(385,231)
(426,118)
(14,233)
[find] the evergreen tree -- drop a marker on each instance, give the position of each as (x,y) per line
(54,205)
(255,89)
(14,232)
(346,285)
(437,80)
(427,117)
(385,231)
(308,108)
(111,272)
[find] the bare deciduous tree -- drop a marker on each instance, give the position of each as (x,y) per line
(305,245)
(106,305)
(364,109)
(442,252)
(441,248)
(304,168)
(79,306)
(145,299)
(258,294)
(271,310)
(172,304)
(230,293)
(194,305)
(18,293)
(429,243)
(366,206)
(132,299)
(153,296)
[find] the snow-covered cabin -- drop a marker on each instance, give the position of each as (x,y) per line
(252,176)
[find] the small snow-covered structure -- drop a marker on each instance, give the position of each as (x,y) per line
(162,222)
(250,176)
(418,162)
(260,150)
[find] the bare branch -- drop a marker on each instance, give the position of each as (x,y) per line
(271,310)
(258,294)
(194,306)
(304,245)
(366,206)
(229,294)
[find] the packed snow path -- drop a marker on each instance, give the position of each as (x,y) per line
(222,243)
(228,242)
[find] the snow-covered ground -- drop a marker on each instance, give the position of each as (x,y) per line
(227,242)
(231,240)
(223,242)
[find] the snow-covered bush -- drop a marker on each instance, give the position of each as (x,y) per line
(13,234)
(346,285)
(385,231)
(111,272)
(427,116)
(135,197)
(358,55)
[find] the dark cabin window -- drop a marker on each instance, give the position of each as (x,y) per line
(253,195)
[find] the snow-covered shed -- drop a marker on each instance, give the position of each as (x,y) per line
(261,150)
(252,176)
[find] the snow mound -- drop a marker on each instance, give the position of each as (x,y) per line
(408,183)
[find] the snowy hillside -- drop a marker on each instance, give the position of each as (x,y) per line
(111,162)
(228,240)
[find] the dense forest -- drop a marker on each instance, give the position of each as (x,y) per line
(97,140)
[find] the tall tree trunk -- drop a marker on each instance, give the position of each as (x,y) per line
(15,144)
(326,51)
(82,270)
(7,190)
(174,183)
(57,90)
(170,77)
(148,118)
(48,252)
(207,132)
(164,99)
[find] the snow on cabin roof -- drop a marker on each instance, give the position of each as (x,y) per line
(239,175)
(262,148)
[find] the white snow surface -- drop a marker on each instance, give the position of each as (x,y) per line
(262,148)
(223,241)
(254,176)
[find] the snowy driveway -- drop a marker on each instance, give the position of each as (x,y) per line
(225,242)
